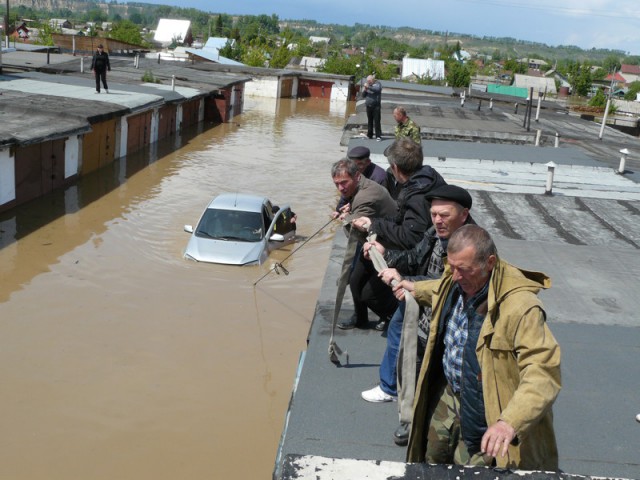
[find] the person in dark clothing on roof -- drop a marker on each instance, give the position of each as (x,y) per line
(372,93)
(412,219)
(99,66)
(400,232)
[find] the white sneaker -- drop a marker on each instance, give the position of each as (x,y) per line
(106,91)
(378,139)
(376,395)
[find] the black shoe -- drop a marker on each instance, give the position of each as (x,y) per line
(401,435)
(382,325)
(351,323)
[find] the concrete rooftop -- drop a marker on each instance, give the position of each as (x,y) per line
(586,236)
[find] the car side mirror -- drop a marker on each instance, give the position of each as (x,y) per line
(188,228)
(276,237)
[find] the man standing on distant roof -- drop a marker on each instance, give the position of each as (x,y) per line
(99,66)
(372,93)
(406,127)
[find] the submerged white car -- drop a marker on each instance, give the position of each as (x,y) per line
(240,229)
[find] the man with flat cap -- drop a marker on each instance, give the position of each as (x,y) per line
(449,210)
(361,155)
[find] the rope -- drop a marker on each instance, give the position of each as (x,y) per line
(408,343)
(278,265)
(334,350)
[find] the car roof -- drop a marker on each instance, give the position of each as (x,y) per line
(238,201)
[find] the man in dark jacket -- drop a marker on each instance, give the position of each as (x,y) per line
(362,156)
(412,219)
(400,232)
(99,66)
(372,93)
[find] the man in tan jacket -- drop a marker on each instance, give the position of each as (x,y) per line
(491,369)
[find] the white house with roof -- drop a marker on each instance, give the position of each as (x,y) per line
(170,30)
(544,85)
(421,68)
(631,73)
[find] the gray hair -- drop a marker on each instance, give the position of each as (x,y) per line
(401,111)
(406,155)
(476,237)
(345,165)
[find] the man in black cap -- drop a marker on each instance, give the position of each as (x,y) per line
(99,66)
(449,210)
(360,154)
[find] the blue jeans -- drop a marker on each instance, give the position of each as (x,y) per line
(389,364)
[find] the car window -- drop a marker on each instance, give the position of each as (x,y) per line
(231,225)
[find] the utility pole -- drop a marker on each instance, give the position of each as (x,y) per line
(606,108)
(6,26)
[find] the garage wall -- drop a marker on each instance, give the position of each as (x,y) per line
(98,146)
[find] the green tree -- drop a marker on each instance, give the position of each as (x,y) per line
(233,50)
(515,66)
(280,57)
(584,80)
(611,64)
(254,57)
(458,75)
(599,99)
(223,25)
(45,37)
(127,31)
(136,17)
(634,89)
(340,64)
(96,15)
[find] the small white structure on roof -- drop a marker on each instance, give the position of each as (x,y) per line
(169,30)
(420,68)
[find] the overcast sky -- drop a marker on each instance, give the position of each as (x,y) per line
(613,24)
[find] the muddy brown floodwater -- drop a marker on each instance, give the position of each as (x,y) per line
(119,359)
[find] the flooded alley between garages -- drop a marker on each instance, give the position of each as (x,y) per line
(120,359)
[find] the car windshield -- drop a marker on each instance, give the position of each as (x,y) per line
(231,225)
